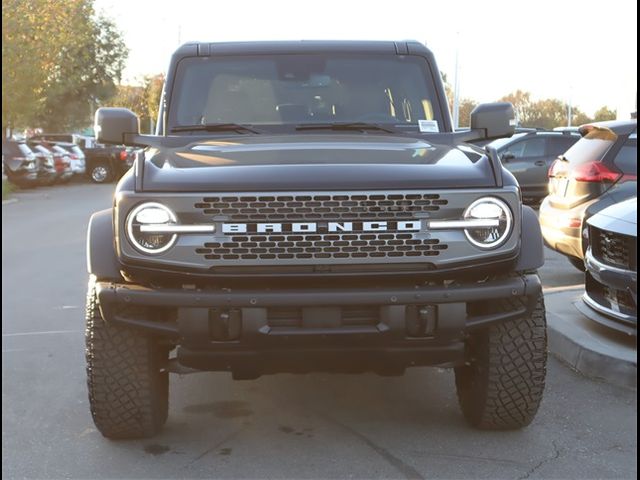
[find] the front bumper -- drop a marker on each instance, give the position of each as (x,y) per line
(618,282)
(231,330)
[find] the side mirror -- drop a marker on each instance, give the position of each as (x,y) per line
(507,156)
(496,119)
(112,124)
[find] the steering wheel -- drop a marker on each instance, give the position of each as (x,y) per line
(377,118)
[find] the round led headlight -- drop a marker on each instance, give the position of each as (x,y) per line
(144,228)
(490,221)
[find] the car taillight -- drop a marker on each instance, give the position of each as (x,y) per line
(123,155)
(595,172)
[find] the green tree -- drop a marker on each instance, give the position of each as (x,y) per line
(579,117)
(547,113)
(59,59)
(128,96)
(522,104)
(465,108)
(153,91)
(143,100)
(603,114)
(465,105)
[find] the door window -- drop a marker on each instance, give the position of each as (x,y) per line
(533,147)
(627,158)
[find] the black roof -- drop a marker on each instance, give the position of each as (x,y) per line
(300,46)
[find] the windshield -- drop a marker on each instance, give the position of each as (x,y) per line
(303,89)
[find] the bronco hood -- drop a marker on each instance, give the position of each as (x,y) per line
(314,162)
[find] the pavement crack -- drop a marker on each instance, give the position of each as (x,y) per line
(557,453)
(408,471)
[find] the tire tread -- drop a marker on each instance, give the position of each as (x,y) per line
(128,392)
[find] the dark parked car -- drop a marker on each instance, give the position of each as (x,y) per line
(600,169)
(529,155)
(612,268)
(106,163)
(20,163)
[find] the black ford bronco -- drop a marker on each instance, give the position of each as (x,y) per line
(307,206)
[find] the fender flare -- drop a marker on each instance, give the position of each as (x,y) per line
(531,243)
(102,260)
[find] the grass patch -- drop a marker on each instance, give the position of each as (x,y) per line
(7,188)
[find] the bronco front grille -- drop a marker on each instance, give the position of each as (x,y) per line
(392,206)
(319,246)
(614,249)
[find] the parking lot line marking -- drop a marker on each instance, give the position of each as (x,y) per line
(563,288)
(51,332)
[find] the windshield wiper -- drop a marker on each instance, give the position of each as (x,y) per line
(344,126)
(214,127)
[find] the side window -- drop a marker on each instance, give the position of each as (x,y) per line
(557,146)
(533,147)
(627,158)
(517,149)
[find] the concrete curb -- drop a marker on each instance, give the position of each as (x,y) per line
(9,201)
(587,347)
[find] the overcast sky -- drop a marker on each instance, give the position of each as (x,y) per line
(583,52)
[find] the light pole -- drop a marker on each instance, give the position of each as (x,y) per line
(456,87)
(569,107)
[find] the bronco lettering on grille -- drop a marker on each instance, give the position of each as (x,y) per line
(321,227)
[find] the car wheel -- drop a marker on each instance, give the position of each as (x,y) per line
(126,375)
(501,384)
(101,173)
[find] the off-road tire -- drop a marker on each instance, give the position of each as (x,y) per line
(501,386)
(126,376)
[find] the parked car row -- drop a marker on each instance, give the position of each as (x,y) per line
(584,180)
(40,163)
(530,154)
(104,163)
(56,158)
(599,170)
(590,216)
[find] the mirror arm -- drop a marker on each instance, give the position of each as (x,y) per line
(470,135)
(496,165)
(138,140)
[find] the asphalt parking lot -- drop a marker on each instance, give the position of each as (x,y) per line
(281,426)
